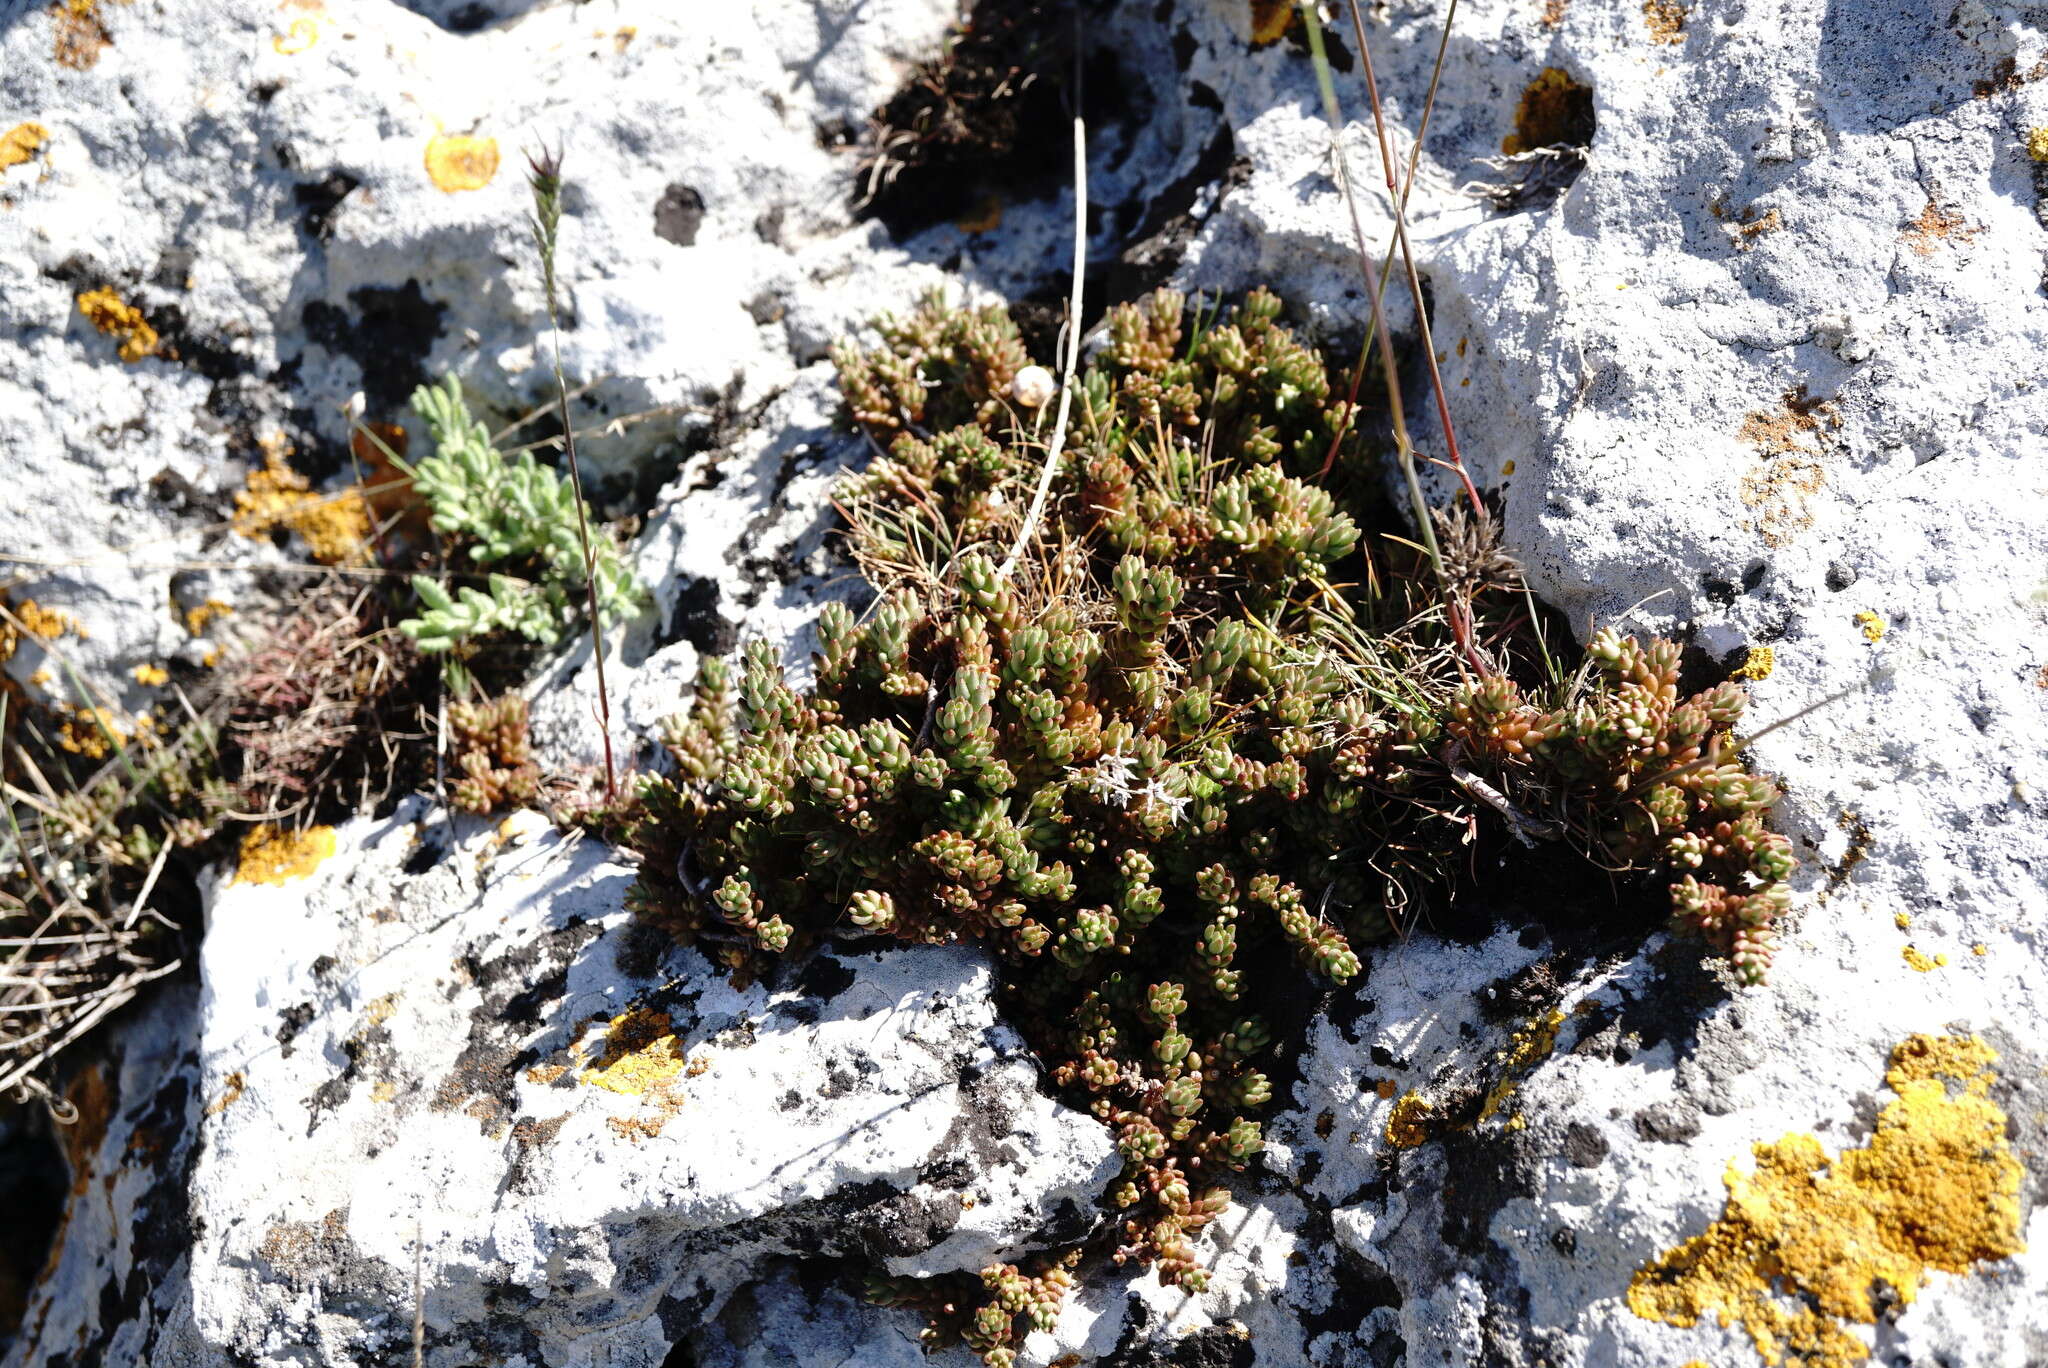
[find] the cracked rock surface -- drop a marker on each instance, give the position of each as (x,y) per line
(590,1141)
(1755,363)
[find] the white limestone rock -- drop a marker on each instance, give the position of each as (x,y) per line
(1791,194)
(1762,376)
(590,1142)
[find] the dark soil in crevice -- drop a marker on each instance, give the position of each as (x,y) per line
(987,117)
(33,1182)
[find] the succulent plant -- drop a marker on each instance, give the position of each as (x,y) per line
(1649,781)
(491,749)
(1194,736)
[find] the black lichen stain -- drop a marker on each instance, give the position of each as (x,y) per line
(678,214)
(394,330)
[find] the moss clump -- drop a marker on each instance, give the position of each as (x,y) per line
(1200,742)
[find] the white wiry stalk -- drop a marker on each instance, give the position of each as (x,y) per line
(1073,361)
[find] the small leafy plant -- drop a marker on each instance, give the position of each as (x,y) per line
(1204,740)
(514,513)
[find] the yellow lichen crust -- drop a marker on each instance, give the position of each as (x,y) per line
(276,855)
(455,162)
(1921,961)
(1808,1246)
(2037,144)
(1757,664)
(117,318)
(21,142)
(94,733)
(336,527)
(151,675)
(297,39)
(1531,1045)
(1872,626)
(641,1054)
(1408,1126)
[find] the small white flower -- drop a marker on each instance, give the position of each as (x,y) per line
(1109,779)
(1174,803)
(1033,387)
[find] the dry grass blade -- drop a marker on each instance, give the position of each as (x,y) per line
(1457,613)
(1072,364)
(69,964)
(1399,197)
(546,184)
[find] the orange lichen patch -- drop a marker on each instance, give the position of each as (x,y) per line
(94,733)
(21,142)
(336,527)
(1808,1246)
(1778,489)
(531,1132)
(274,854)
(641,1054)
(1769,221)
(1918,959)
(81,33)
(43,624)
(151,675)
(1270,20)
(1785,429)
(1749,225)
(1553,12)
(1757,664)
(117,318)
(457,162)
(623,38)
(1386,1088)
(1777,492)
(1934,227)
(1554,109)
(196,619)
(231,1090)
(1408,1125)
(1665,19)
(544,1074)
